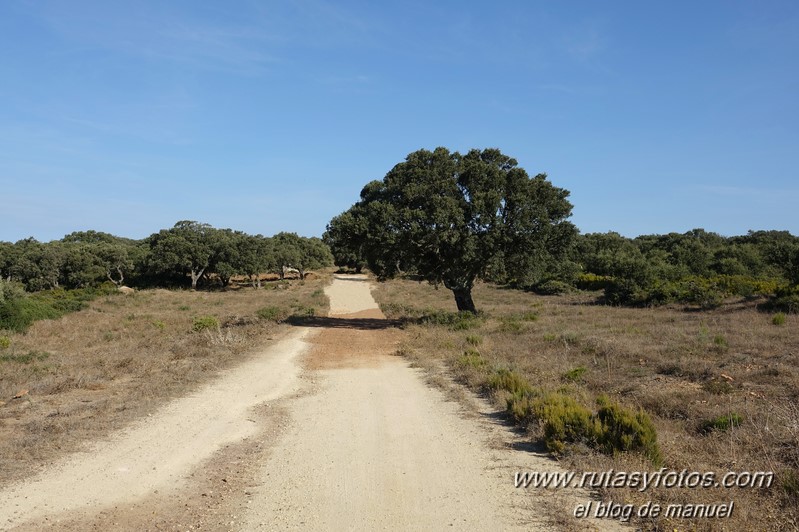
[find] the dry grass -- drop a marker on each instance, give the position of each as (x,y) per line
(94,371)
(685,368)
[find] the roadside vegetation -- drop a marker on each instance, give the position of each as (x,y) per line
(630,389)
(72,380)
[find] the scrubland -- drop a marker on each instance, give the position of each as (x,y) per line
(718,389)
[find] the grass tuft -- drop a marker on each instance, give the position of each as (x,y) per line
(202,323)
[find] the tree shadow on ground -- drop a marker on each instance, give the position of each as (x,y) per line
(364,324)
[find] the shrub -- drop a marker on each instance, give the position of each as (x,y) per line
(722,423)
(592,281)
(553,288)
(703,292)
(457,321)
(720,343)
(778,318)
(510,325)
(5,342)
(717,386)
(26,358)
(790,483)
(520,407)
(472,358)
(202,323)
(474,339)
(564,421)
(623,430)
(510,381)
(19,314)
(275,314)
(399,310)
(623,292)
(575,374)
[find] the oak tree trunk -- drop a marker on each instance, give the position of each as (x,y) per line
(463,298)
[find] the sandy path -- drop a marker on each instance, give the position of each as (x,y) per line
(351,439)
(377,449)
(156,454)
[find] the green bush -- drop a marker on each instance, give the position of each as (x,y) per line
(703,292)
(25,358)
(457,321)
(789,481)
(575,374)
(474,339)
(778,318)
(565,421)
(722,423)
(202,323)
(624,292)
(472,358)
(275,314)
(592,281)
(717,386)
(786,299)
(510,325)
(5,342)
(510,381)
(720,343)
(623,430)
(19,314)
(553,288)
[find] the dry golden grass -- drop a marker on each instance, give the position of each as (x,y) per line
(94,371)
(685,368)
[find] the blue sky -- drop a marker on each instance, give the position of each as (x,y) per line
(266,116)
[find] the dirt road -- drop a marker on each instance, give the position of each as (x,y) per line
(326,430)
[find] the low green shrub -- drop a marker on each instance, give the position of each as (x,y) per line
(786,299)
(789,480)
(25,358)
(530,315)
(5,342)
(474,339)
(553,288)
(565,421)
(624,430)
(456,321)
(722,423)
(592,281)
(575,374)
(399,310)
(510,381)
(19,314)
(274,314)
(717,386)
(778,318)
(510,325)
(703,292)
(472,358)
(202,323)
(720,343)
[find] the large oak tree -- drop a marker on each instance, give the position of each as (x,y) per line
(450,217)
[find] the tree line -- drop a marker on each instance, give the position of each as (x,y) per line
(188,254)
(451,219)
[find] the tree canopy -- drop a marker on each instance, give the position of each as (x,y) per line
(452,218)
